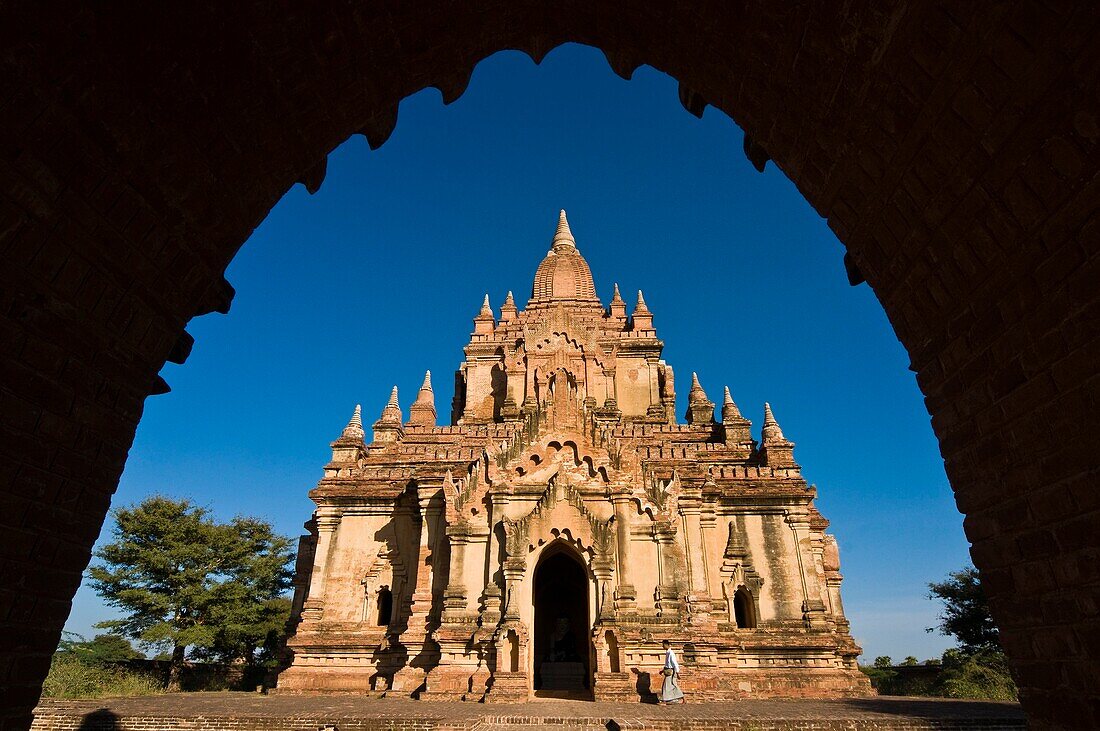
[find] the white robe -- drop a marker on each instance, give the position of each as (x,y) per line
(670,688)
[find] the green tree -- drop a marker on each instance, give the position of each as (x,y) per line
(884,661)
(100,650)
(982,675)
(977,668)
(966,615)
(185,580)
(255,635)
(909,661)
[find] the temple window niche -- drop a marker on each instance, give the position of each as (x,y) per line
(512,651)
(744,613)
(384,607)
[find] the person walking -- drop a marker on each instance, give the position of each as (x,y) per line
(670,688)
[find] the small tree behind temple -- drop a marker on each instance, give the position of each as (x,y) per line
(977,668)
(185,580)
(100,650)
(965,611)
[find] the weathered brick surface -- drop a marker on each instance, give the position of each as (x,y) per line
(953,148)
(248,712)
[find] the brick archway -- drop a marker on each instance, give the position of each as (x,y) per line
(953,150)
(560,587)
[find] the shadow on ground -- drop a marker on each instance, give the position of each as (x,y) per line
(934,707)
(99,720)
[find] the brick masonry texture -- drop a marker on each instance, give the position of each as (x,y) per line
(564,524)
(245,711)
(951,146)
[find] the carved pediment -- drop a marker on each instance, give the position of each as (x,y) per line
(561,456)
(660,497)
(737,568)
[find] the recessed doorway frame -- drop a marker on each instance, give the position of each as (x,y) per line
(561,545)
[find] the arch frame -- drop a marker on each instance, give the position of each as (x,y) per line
(953,149)
(537,556)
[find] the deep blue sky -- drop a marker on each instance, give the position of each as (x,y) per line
(376,278)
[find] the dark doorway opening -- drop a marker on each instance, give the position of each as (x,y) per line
(743,610)
(385,606)
(562,629)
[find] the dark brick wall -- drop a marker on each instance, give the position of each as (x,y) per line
(953,148)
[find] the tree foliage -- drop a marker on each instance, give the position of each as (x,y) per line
(981,675)
(977,668)
(100,650)
(256,634)
(184,580)
(965,615)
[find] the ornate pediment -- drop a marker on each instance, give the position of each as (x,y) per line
(737,568)
(562,456)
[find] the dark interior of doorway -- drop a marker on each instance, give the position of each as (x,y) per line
(562,642)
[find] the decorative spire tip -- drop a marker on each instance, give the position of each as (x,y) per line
(770,430)
(563,237)
(486,308)
(354,429)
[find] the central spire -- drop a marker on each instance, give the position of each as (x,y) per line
(563,274)
(563,237)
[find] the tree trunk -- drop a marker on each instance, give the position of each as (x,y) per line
(175,668)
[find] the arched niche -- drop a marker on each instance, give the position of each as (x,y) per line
(562,620)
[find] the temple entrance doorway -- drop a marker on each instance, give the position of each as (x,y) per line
(562,656)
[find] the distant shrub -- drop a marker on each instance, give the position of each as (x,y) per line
(102,649)
(902,679)
(70,677)
(977,676)
(982,675)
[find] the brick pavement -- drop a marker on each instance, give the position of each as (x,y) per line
(253,712)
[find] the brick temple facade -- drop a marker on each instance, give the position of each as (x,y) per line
(564,524)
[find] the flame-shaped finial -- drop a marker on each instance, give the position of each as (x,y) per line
(696,394)
(354,429)
(729,408)
(770,430)
(563,237)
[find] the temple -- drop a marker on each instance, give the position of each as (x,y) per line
(563,525)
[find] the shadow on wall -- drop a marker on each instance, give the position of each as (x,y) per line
(101,720)
(644,686)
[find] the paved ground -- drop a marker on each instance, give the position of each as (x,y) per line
(315,711)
